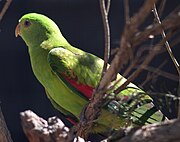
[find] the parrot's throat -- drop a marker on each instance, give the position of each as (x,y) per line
(39,63)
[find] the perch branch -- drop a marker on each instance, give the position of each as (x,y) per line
(39,130)
(167,131)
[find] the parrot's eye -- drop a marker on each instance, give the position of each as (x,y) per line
(27,23)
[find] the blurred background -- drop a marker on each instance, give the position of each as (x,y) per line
(81,24)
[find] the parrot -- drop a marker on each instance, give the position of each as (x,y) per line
(70,75)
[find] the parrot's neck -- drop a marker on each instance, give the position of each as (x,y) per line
(39,53)
(39,63)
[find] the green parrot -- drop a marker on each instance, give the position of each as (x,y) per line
(69,76)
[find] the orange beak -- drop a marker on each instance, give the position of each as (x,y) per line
(17,30)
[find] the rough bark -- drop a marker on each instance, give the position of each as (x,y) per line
(4,133)
(39,130)
(54,130)
(167,131)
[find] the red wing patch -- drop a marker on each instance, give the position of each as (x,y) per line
(72,121)
(85,89)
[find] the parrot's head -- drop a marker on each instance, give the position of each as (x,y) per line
(36,28)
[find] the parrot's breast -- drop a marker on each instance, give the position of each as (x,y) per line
(55,87)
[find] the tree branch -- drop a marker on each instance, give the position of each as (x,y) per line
(4,133)
(104,14)
(39,130)
(167,131)
(171,21)
(6,6)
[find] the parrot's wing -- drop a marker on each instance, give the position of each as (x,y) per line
(81,72)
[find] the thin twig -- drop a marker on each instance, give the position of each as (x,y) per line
(6,6)
(160,72)
(143,13)
(148,59)
(118,60)
(166,42)
(169,51)
(161,7)
(175,41)
(154,72)
(172,21)
(108,6)
(104,14)
(126,11)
